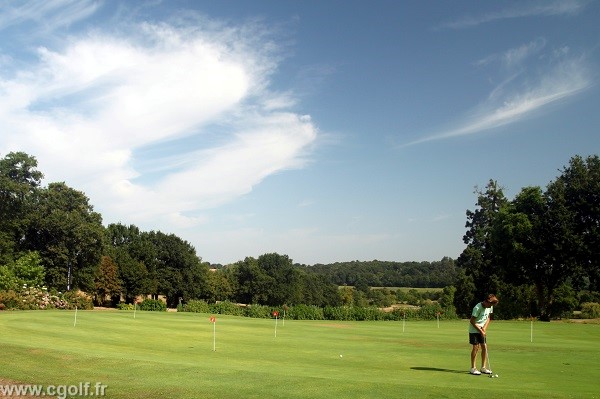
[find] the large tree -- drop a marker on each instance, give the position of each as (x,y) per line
(128,248)
(175,270)
(523,247)
(576,195)
(286,286)
(19,180)
(69,236)
(549,239)
(252,282)
(106,281)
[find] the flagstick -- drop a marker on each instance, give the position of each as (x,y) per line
(438,320)
(134,309)
(531,334)
(276,318)
(283,320)
(213,320)
(403,321)
(75,322)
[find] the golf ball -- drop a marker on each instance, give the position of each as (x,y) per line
(341,356)
(496,376)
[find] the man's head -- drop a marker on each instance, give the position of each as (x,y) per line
(490,300)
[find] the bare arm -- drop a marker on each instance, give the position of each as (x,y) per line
(481,329)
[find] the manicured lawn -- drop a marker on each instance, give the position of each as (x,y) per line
(169,355)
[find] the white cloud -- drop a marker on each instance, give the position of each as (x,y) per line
(87,107)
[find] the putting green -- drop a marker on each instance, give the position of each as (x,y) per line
(170,355)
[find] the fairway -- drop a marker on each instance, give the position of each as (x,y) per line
(170,355)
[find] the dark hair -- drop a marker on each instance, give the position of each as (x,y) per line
(491,298)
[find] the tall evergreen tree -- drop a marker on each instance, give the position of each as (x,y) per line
(478,259)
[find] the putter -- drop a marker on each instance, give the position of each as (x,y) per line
(489,365)
(487,354)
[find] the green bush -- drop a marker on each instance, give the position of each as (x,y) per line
(590,310)
(125,306)
(366,313)
(403,313)
(226,307)
(305,312)
(336,313)
(429,312)
(79,300)
(9,300)
(196,306)
(153,305)
(258,311)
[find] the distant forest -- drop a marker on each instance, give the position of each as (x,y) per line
(376,273)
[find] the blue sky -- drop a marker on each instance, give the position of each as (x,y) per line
(324,130)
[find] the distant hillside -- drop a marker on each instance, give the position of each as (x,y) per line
(378,273)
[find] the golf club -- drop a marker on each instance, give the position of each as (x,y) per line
(489,365)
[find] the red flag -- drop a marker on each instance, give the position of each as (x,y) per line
(275,313)
(213,319)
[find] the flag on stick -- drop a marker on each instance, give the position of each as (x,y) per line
(213,320)
(276,314)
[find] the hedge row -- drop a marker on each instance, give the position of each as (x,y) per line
(37,298)
(310,312)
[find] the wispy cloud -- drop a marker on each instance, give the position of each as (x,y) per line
(514,57)
(89,107)
(46,15)
(522,93)
(521,10)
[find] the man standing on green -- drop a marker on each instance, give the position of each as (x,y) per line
(478,324)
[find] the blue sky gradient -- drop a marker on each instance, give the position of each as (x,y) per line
(324,130)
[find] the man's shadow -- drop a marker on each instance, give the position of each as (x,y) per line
(439,369)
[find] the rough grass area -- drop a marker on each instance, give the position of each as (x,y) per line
(170,355)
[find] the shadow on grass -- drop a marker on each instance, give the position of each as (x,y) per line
(439,370)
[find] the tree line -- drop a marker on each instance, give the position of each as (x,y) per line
(538,252)
(378,273)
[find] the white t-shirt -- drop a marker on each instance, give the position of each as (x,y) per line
(481,315)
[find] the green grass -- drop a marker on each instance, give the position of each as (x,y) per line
(169,355)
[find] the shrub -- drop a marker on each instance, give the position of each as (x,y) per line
(590,310)
(403,313)
(366,313)
(125,306)
(305,312)
(33,298)
(196,306)
(153,305)
(429,312)
(258,311)
(79,300)
(226,307)
(9,299)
